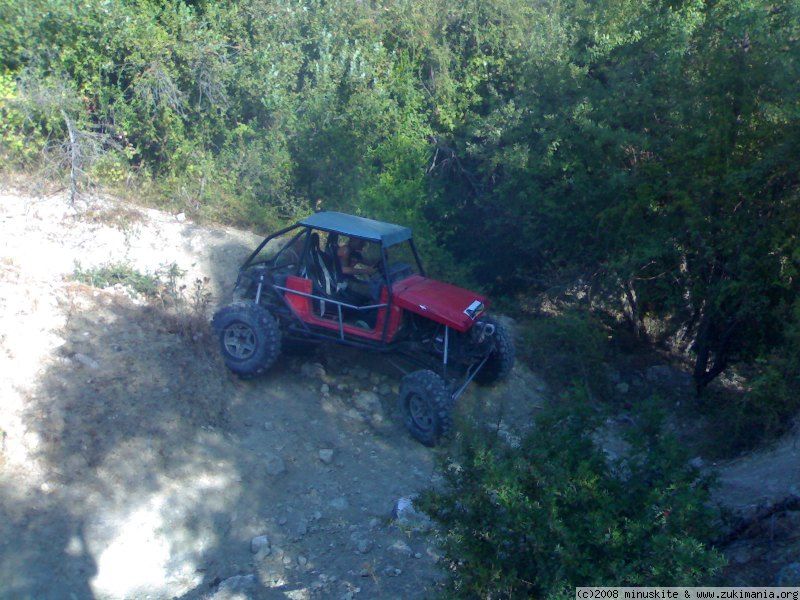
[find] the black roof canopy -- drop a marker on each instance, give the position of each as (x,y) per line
(376,231)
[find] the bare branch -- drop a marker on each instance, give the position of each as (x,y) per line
(82,143)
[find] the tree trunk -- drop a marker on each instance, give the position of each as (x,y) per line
(632,309)
(712,351)
(74,157)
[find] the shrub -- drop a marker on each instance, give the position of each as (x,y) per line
(113,273)
(181,309)
(568,348)
(743,420)
(557,513)
(765,407)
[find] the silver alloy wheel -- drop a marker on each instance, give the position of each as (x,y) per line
(421,412)
(240,341)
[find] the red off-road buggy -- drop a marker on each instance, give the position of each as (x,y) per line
(295,287)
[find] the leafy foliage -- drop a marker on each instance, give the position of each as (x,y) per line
(557,513)
(570,349)
(118,273)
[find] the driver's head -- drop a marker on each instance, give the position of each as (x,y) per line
(356,244)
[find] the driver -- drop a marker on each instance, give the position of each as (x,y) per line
(355,267)
(351,257)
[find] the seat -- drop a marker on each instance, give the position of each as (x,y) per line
(319,272)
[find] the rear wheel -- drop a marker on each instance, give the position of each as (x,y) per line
(426,406)
(501,360)
(249,338)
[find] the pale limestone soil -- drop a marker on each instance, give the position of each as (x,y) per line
(133,465)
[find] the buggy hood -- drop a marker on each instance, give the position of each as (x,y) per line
(441,302)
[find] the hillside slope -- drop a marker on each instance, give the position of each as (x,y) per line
(134,465)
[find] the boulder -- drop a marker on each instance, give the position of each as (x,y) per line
(259,543)
(407,516)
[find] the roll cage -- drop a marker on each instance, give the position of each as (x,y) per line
(335,225)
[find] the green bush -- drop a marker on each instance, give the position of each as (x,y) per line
(557,513)
(113,273)
(761,414)
(766,410)
(570,348)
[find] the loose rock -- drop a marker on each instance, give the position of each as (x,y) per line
(274,464)
(433,554)
(368,402)
(326,455)
(352,413)
(313,370)
(400,547)
(87,361)
(237,584)
(259,543)
(408,516)
(339,503)
(361,544)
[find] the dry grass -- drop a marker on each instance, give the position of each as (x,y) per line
(118,216)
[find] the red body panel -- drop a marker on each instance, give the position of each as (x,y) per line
(440,302)
(302,306)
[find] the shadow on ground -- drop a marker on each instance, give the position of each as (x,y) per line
(161,467)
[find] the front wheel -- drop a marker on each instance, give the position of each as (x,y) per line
(426,406)
(501,359)
(249,338)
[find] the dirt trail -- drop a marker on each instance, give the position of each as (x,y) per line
(763,477)
(134,466)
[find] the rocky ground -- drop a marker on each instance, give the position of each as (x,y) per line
(132,465)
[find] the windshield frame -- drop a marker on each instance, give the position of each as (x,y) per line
(251,259)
